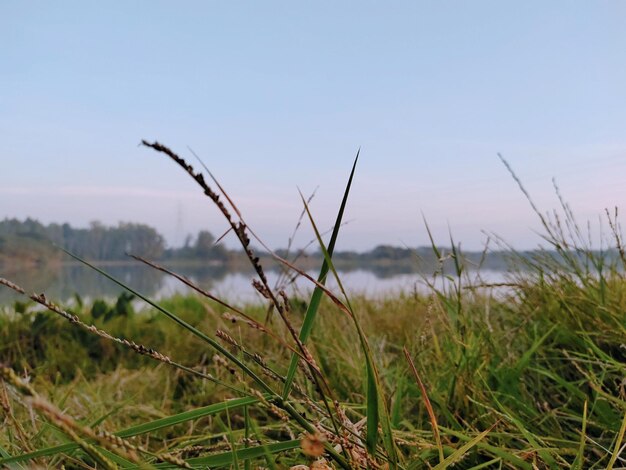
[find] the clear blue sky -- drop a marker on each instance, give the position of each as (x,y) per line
(279,95)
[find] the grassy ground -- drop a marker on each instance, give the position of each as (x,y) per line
(523,376)
(541,368)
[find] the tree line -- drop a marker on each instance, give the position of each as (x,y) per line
(32,240)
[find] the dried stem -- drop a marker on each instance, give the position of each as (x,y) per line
(252,322)
(241,230)
(138,348)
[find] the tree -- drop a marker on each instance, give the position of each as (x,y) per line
(204,244)
(205,247)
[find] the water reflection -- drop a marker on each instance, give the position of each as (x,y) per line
(62,283)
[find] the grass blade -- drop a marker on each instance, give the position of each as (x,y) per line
(497,451)
(226,459)
(222,350)
(461,451)
(5,455)
(433,245)
(429,407)
(316,297)
(142,428)
(618,444)
(120,461)
(376,407)
(580,457)
(543,452)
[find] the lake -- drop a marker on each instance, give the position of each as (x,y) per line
(64,282)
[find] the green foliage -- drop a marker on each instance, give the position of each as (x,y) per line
(29,249)
(532,363)
(465,374)
(31,240)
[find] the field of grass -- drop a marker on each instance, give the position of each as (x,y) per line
(521,376)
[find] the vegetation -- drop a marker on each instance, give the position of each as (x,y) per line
(527,375)
(98,242)
(28,242)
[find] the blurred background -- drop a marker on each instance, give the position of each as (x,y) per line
(276,96)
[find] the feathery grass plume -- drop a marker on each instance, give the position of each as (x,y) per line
(143,428)
(195,331)
(239,228)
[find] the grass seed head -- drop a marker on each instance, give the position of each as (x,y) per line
(313,444)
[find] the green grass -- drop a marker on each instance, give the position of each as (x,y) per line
(530,376)
(529,365)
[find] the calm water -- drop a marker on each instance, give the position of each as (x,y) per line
(67,281)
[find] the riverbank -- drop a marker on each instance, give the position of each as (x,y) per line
(530,379)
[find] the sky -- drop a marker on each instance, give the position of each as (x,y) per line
(279,96)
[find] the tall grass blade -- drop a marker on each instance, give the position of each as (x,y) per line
(513,459)
(372,398)
(376,407)
(269,460)
(523,361)
(433,245)
(246,435)
(222,350)
(5,455)
(226,459)
(316,297)
(543,452)
(461,451)
(228,430)
(618,445)
(143,428)
(121,461)
(580,456)
(489,464)
(429,407)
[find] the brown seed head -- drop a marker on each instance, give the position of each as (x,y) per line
(313,445)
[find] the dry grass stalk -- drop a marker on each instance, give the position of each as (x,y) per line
(275,410)
(42,300)
(138,348)
(69,426)
(104,439)
(251,321)
(7,409)
(429,407)
(240,228)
